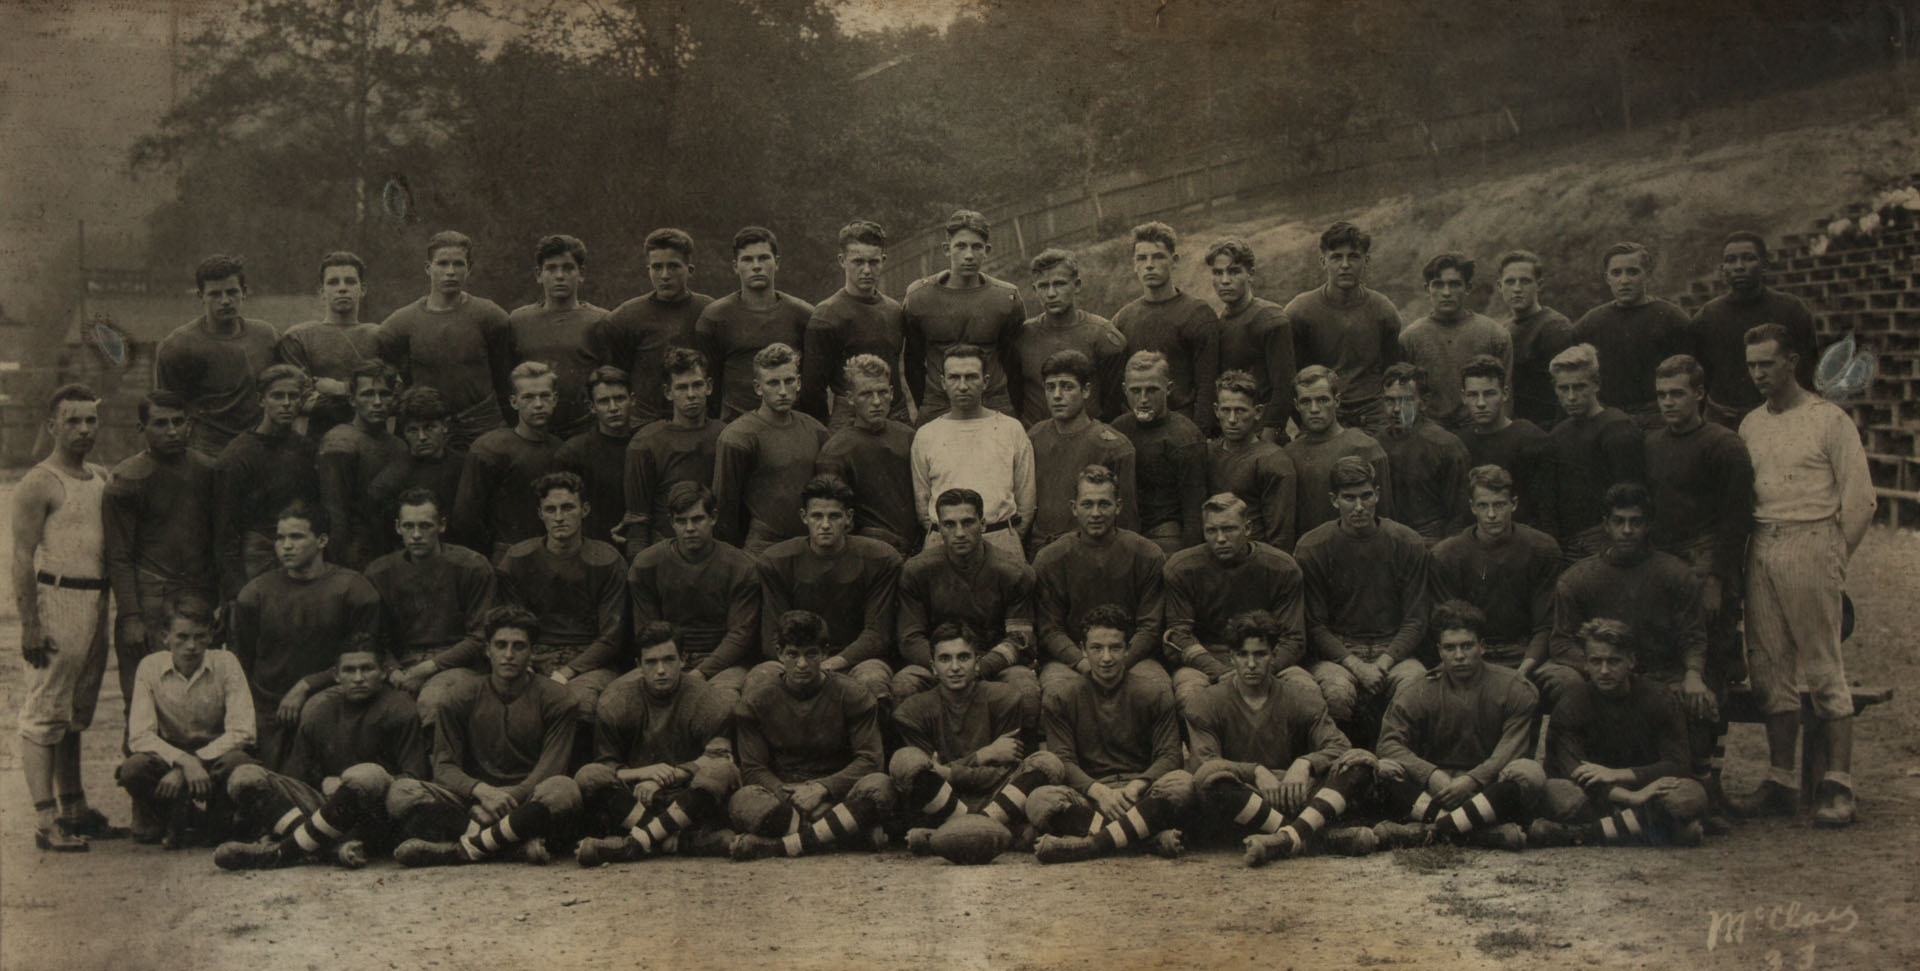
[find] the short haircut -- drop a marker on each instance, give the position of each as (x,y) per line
(1457,615)
(1236,250)
(1345,234)
(448,238)
(655,633)
(314,513)
(1313,373)
(1629,495)
(1110,616)
(273,373)
(683,496)
(608,374)
(342,257)
(963,349)
(1627,249)
(954,630)
(560,244)
(1520,256)
(1747,236)
(800,628)
(871,367)
(669,238)
(1157,232)
(1349,471)
(530,370)
(1047,259)
(190,606)
(1096,475)
(161,398)
(558,480)
(218,267)
(967,219)
(1579,357)
(749,235)
(864,231)
(1070,362)
(510,615)
(376,370)
(829,487)
(419,406)
(72,391)
(1491,478)
(1224,503)
(1237,381)
(1406,372)
(1484,366)
(683,360)
(775,355)
(419,496)
(1253,625)
(1150,362)
(1606,630)
(960,497)
(1683,365)
(1776,333)
(1444,262)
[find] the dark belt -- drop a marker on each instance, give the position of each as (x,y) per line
(996,527)
(71,583)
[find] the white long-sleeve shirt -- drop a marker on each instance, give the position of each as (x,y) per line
(990,455)
(205,716)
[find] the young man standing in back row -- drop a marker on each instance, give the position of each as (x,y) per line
(1633,333)
(1449,336)
(1255,334)
(734,329)
(1538,333)
(637,336)
(453,341)
(962,305)
(554,331)
(1166,319)
(214,360)
(1065,326)
(858,319)
(331,348)
(1348,328)
(765,456)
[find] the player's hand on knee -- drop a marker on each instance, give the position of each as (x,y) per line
(1005,750)
(1457,791)
(1367,674)
(495,802)
(170,784)
(1356,758)
(289,711)
(1386,769)
(1106,801)
(1296,786)
(1267,784)
(195,774)
(811,799)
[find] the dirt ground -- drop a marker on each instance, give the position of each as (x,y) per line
(1775,895)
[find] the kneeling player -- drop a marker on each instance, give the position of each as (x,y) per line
(664,763)
(809,744)
(1452,745)
(1116,735)
(1618,751)
(1245,728)
(330,800)
(500,751)
(960,744)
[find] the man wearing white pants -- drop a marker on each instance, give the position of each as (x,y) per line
(1813,500)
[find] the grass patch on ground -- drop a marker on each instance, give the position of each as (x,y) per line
(1506,944)
(1429,859)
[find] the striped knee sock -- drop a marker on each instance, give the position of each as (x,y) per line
(839,823)
(1500,801)
(1326,806)
(1147,817)
(1625,827)
(528,820)
(1254,812)
(1009,805)
(1076,821)
(934,798)
(322,828)
(656,829)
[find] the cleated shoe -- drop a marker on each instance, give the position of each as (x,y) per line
(747,846)
(58,841)
(1770,799)
(1392,835)
(93,825)
(1063,849)
(419,852)
(1545,833)
(249,856)
(1261,847)
(1836,806)
(613,849)
(1351,840)
(1502,836)
(351,855)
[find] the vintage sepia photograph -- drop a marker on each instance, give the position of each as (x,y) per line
(986,484)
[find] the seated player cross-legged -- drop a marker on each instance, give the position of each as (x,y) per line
(1268,760)
(809,749)
(1617,749)
(1453,745)
(329,801)
(960,748)
(1116,735)
(663,759)
(499,760)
